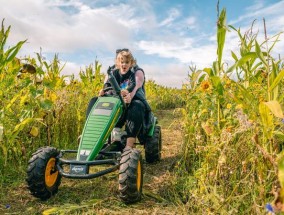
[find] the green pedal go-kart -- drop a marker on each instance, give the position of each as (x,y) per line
(48,165)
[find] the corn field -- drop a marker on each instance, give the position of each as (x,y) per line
(234,130)
(231,160)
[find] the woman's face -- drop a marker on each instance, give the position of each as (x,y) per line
(123,65)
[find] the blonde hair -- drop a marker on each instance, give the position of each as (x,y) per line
(126,56)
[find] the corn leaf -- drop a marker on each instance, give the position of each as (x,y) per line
(209,71)
(234,56)
(12,52)
(267,120)
(20,126)
(244,59)
(217,84)
(221,35)
(1,132)
(279,135)
(275,41)
(275,108)
(16,97)
(4,36)
(281,170)
(276,81)
(248,56)
(259,53)
(46,104)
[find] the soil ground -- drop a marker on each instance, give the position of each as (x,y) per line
(100,195)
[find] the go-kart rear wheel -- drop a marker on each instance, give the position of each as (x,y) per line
(43,178)
(153,146)
(131,176)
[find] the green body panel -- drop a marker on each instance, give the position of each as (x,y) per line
(151,132)
(99,124)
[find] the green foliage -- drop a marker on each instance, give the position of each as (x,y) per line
(233,130)
(161,97)
(38,106)
(9,55)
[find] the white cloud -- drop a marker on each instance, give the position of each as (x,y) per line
(259,11)
(47,26)
(191,22)
(183,51)
(172,15)
(172,75)
(71,68)
(258,4)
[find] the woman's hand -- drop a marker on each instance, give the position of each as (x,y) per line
(124,92)
(127,98)
(102,92)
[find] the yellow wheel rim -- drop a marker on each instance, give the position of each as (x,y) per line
(50,173)
(139,176)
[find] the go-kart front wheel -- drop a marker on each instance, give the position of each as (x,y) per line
(43,178)
(131,176)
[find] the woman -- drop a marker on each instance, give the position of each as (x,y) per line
(131,80)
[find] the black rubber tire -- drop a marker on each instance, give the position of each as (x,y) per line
(130,176)
(42,165)
(153,146)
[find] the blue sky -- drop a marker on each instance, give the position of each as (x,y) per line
(164,36)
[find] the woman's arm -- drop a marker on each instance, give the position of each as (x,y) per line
(139,78)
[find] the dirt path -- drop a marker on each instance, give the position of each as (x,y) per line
(99,196)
